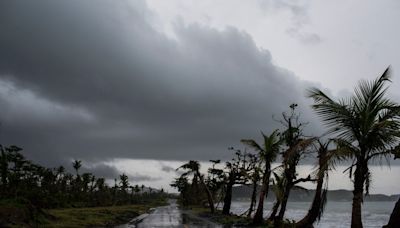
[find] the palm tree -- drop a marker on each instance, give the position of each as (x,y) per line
(318,204)
(77,164)
(367,128)
(296,148)
(193,167)
(268,153)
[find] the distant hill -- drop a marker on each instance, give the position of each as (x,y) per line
(244,192)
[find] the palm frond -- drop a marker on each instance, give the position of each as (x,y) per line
(253,144)
(301,145)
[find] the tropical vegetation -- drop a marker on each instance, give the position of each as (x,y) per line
(362,130)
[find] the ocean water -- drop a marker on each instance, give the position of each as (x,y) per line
(337,214)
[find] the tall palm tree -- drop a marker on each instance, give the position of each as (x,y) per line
(193,167)
(268,153)
(367,128)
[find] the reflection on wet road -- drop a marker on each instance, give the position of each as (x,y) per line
(170,216)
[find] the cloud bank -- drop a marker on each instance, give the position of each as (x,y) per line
(97,81)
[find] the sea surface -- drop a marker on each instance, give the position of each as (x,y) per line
(337,214)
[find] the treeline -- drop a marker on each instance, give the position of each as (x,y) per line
(41,187)
(363,129)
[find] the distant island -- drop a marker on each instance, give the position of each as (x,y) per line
(300,195)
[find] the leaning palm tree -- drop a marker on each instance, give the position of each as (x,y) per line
(268,153)
(367,128)
(193,167)
(317,207)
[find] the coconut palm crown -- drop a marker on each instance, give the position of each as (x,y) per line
(366,126)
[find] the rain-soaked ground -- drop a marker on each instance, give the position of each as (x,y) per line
(169,216)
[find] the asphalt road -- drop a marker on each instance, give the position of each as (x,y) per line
(169,216)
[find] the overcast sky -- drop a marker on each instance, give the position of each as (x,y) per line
(111,82)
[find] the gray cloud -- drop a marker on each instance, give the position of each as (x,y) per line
(96,81)
(299,18)
(102,170)
(168,169)
(139,177)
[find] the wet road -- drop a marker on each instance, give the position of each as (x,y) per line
(169,216)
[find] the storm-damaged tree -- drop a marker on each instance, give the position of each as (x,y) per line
(296,149)
(268,153)
(394,220)
(237,173)
(317,207)
(254,178)
(182,185)
(367,128)
(278,184)
(215,181)
(193,167)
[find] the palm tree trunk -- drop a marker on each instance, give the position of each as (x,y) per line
(274,210)
(314,211)
(359,179)
(258,216)
(394,220)
(253,199)
(228,195)
(209,195)
(284,201)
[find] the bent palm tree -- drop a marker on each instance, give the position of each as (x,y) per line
(268,153)
(193,167)
(367,127)
(318,204)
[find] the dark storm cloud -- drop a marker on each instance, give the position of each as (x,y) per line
(94,81)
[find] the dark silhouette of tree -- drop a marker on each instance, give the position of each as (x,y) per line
(41,187)
(216,180)
(394,220)
(255,177)
(268,153)
(3,167)
(193,167)
(318,204)
(296,148)
(366,125)
(77,164)
(278,189)
(237,173)
(183,186)
(124,183)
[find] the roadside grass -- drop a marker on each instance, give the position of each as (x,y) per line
(17,214)
(97,216)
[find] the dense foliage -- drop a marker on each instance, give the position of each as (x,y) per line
(42,187)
